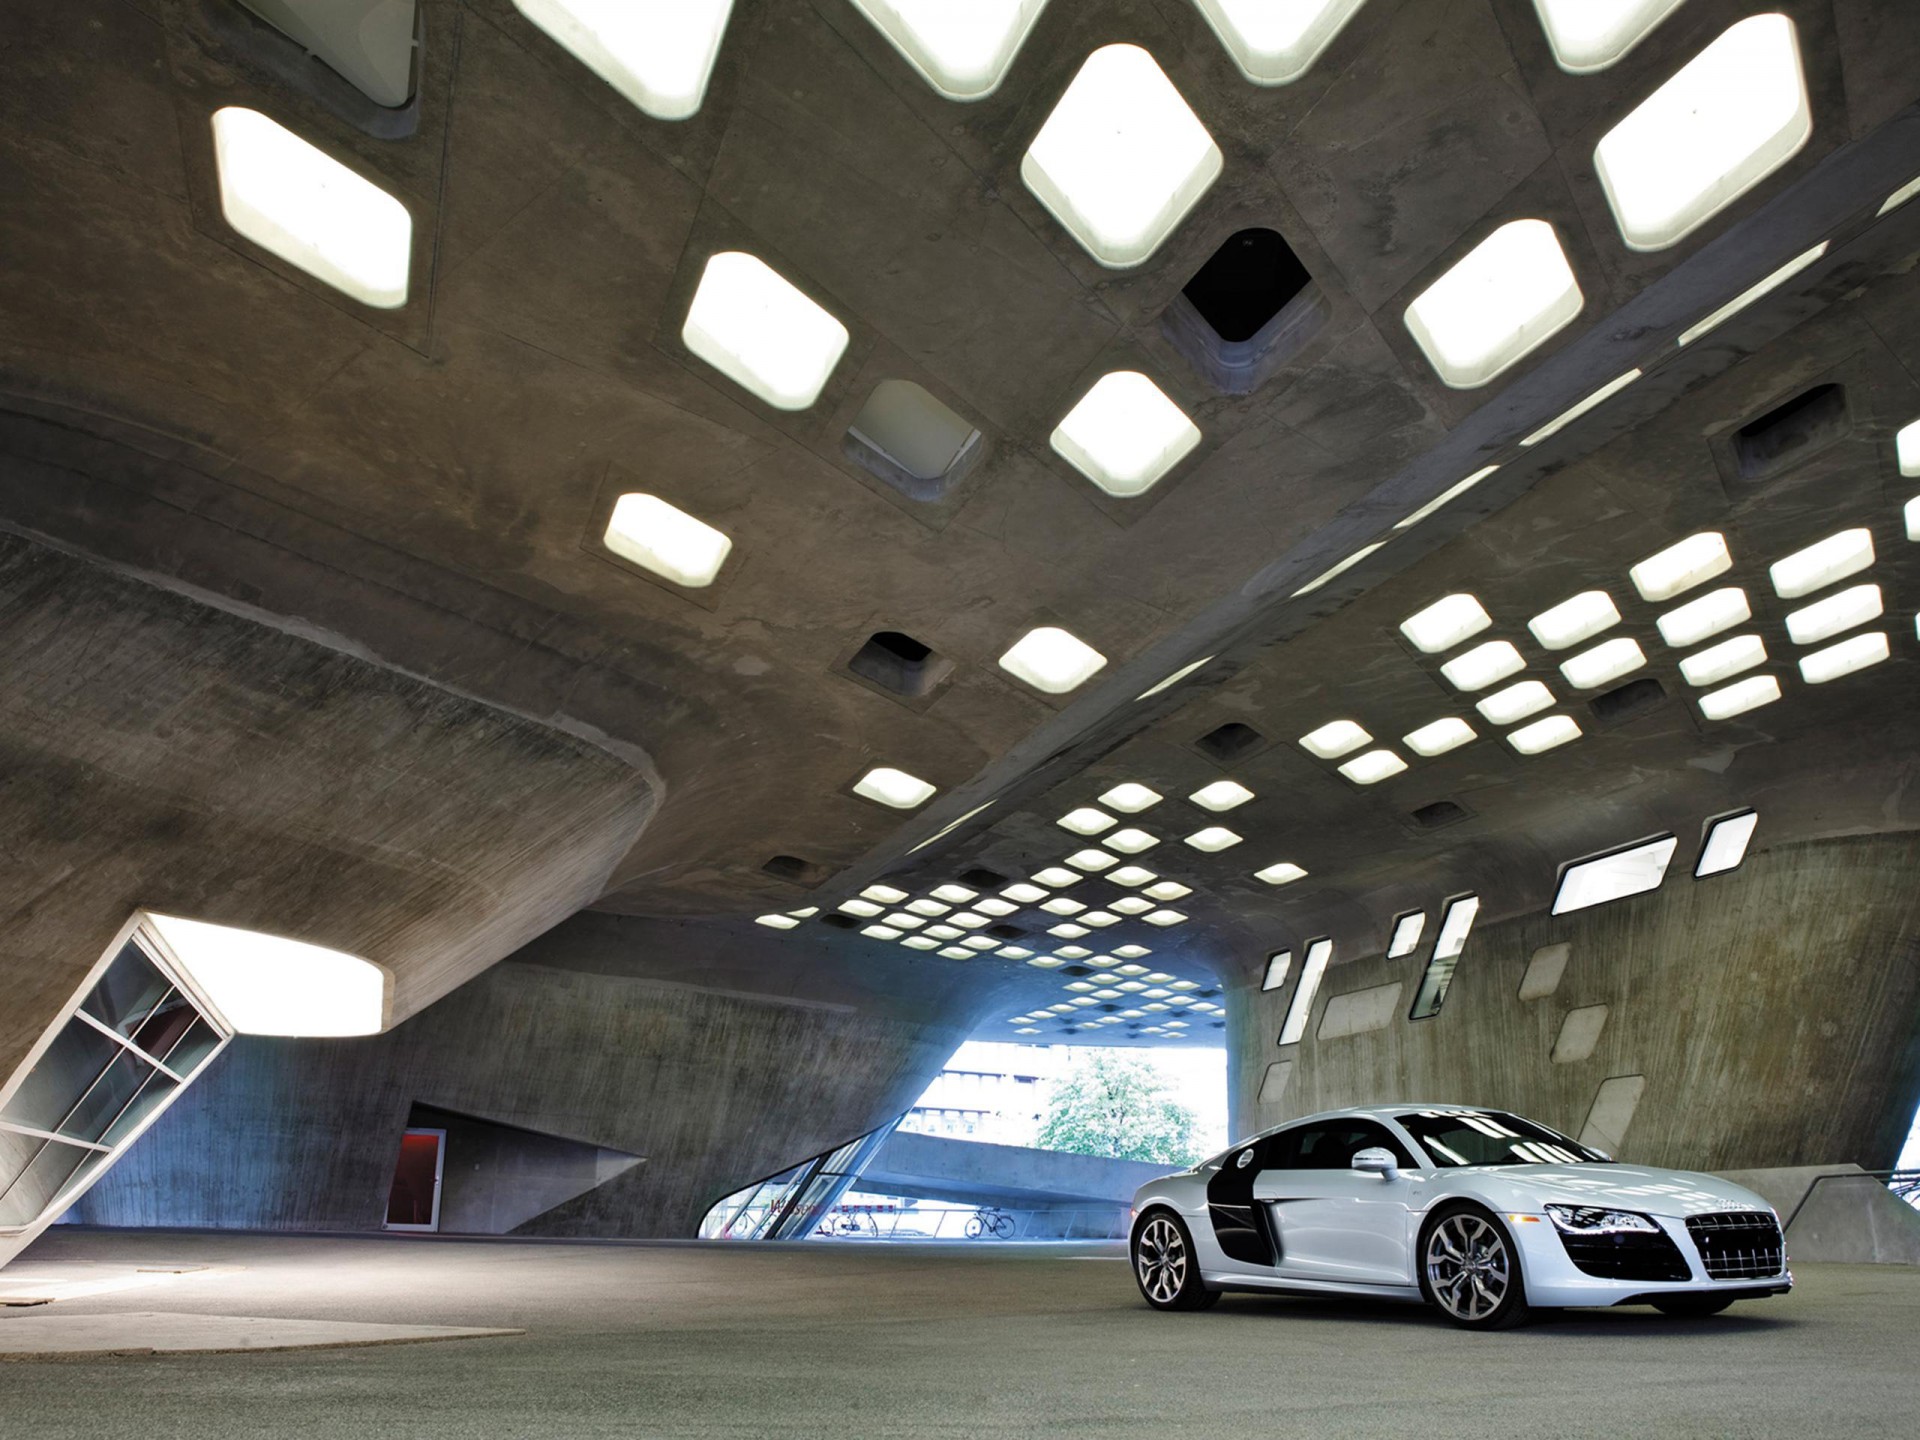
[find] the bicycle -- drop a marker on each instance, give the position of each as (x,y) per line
(989,1221)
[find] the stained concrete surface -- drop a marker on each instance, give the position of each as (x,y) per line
(964,1340)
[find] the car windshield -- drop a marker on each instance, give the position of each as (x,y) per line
(1491,1137)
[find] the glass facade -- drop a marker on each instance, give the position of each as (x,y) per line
(789,1206)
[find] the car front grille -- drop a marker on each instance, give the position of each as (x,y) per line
(1633,1256)
(1738,1244)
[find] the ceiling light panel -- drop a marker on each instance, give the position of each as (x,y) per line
(894,788)
(1284,873)
(1213,839)
(1726,845)
(1024,894)
(866,909)
(1752,293)
(1164,918)
(1276,44)
(1590,35)
(1052,660)
(1845,658)
(1131,876)
(1094,860)
(1440,736)
(1573,412)
(1738,698)
(1131,905)
(1834,615)
(921,942)
(776,922)
(1174,679)
(1726,120)
(1575,620)
(1680,567)
(1603,664)
(1056,878)
(1163,890)
(1503,299)
(297,201)
(1221,795)
(1125,434)
(881,932)
(666,540)
(991,906)
(1335,738)
(1483,665)
(1452,493)
(932,909)
(962,50)
(1130,798)
(1614,877)
(1818,566)
(1061,905)
(1445,623)
(883,894)
(1373,767)
(1724,661)
(659,57)
(1709,615)
(1544,735)
(1906,449)
(762,332)
(1122,158)
(1516,702)
(1086,821)
(1130,841)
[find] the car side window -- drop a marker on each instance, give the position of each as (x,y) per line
(1332,1144)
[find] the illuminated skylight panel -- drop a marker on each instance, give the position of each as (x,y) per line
(989,905)
(1911,514)
(894,788)
(932,909)
(1503,299)
(1315,966)
(865,909)
(659,57)
(1544,735)
(967,920)
(1590,35)
(1439,736)
(1516,702)
(1603,664)
(1752,293)
(1633,871)
(1335,738)
(1726,846)
(1575,620)
(1024,894)
(1213,839)
(1406,934)
(1131,905)
(1446,496)
(962,50)
(1726,120)
(293,199)
(1723,661)
(1125,434)
(1130,798)
(1046,962)
(268,985)
(1122,159)
(1061,905)
(921,942)
(1052,660)
(1092,860)
(1172,680)
(1099,919)
(1906,453)
(883,894)
(1445,623)
(666,540)
(776,922)
(1221,795)
(1818,566)
(880,932)
(901,920)
(1845,658)
(1276,44)
(1740,697)
(1165,918)
(1068,930)
(1834,615)
(1130,841)
(1163,891)
(1054,877)
(1580,407)
(1483,665)
(1086,821)
(1678,568)
(954,952)
(1373,767)
(762,332)
(944,932)
(1709,615)
(1284,873)
(1132,876)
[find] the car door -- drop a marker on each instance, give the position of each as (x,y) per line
(1239,1226)
(1330,1221)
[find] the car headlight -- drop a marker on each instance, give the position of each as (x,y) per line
(1596,1220)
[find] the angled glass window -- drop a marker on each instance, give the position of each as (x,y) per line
(1502,300)
(1406,934)
(1456,920)
(1726,844)
(368,42)
(1279,966)
(659,56)
(1275,44)
(962,50)
(1319,952)
(912,440)
(1633,870)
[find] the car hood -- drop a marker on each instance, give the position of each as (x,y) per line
(1676,1193)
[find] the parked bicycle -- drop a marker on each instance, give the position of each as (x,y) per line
(988,1221)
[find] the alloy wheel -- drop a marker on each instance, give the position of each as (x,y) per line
(1469,1271)
(1160,1258)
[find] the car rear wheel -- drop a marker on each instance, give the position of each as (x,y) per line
(1692,1305)
(1470,1270)
(1165,1265)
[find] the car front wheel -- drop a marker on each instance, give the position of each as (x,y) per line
(1470,1270)
(1165,1264)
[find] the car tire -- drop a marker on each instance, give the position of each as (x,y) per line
(1469,1269)
(1693,1306)
(1165,1265)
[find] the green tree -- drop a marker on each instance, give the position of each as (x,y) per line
(1116,1105)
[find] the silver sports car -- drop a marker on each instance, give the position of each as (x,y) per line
(1481,1213)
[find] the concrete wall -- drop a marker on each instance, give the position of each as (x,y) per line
(936,1167)
(495,1178)
(1766,1017)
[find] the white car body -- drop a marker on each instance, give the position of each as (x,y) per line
(1349,1231)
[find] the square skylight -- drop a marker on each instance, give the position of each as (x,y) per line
(1068,930)
(1740,697)
(954,952)
(1722,661)
(1818,566)
(776,922)
(900,920)
(1906,450)
(659,57)
(1213,839)
(1507,296)
(1023,893)
(945,932)
(1130,798)
(1052,660)
(989,905)
(1135,952)
(1283,873)
(866,909)
(1848,656)
(1439,736)
(1544,734)
(894,788)
(1727,119)
(962,50)
(1056,878)
(981,942)
(1444,624)
(932,909)
(762,332)
(955,894)
(1680,567)
(1590,35)
(1164,918)
(1099,919)
(1752,293)
(1373,767)
(294,199)
(1162,890)
(881,932)
(1122,159)
(1276,44)
(1221,795)
(1726,845)
(1012,952)
(1061,905)
(1633,871)
(1697,619)
(1603,664)
(1131,905)
(1073,952)
(1125,434)
(1090,859)
(921,942)
(1086,821)
(883,894)
(1131,875)
(1827,618)
(1336,738)
(666,540)
(1483,665)
(1406,934)
(1046,962)
(1571,621)
(967,920)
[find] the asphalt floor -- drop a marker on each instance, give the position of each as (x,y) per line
(863,1340)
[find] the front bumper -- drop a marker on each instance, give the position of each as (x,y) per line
(1553,1279)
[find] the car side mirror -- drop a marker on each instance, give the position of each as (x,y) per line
(1377,1160)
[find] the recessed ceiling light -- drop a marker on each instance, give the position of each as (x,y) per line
(659,57)
(1848,656)
(1335,738)
(900,920)
(1912,516)
(1692,561)
(944,932)
(1164,890)
(1051,660)
(1437,738)
(666,540)
(894,788)
(1213,839)
(1445,623)
(1709,615)
(992,906)
(954,952)
(1516,702)
(1580,407)
(1507,296)
(962,51)
(1906,451)
(762,332)
(269,985)
(1130,798)
(1131,905)
(1122,159)
(930,908)
(1483,665)
(1073,952)
(1284,873)
(884,894)
(1544,734)
(1406,934)
(1726,845)
(1221,795)
(881,932)
(1164,918)
(1086,821)
(1046,962)
(921,942)
(805,914)
(1132,952)
(1068,930)
(966,919)
(1826,618)
(1099,919)
(981,942)
(1061,905)
(1027,1030)
(1590,35)
(1090,859)
(1726,120)
(1752,293)
(1275,44)
(954,894)
(866,909)
(1373,767)
(1604,663)
(1023,893)
(1572,621)
(293,199)
(1056,878)
(1818,566)
(776,922)
(1174,679)
(1131,875)
(1453,492)
(1081,986)
(1125,434)
(1012,952)
(1130,841)
(1728,658)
